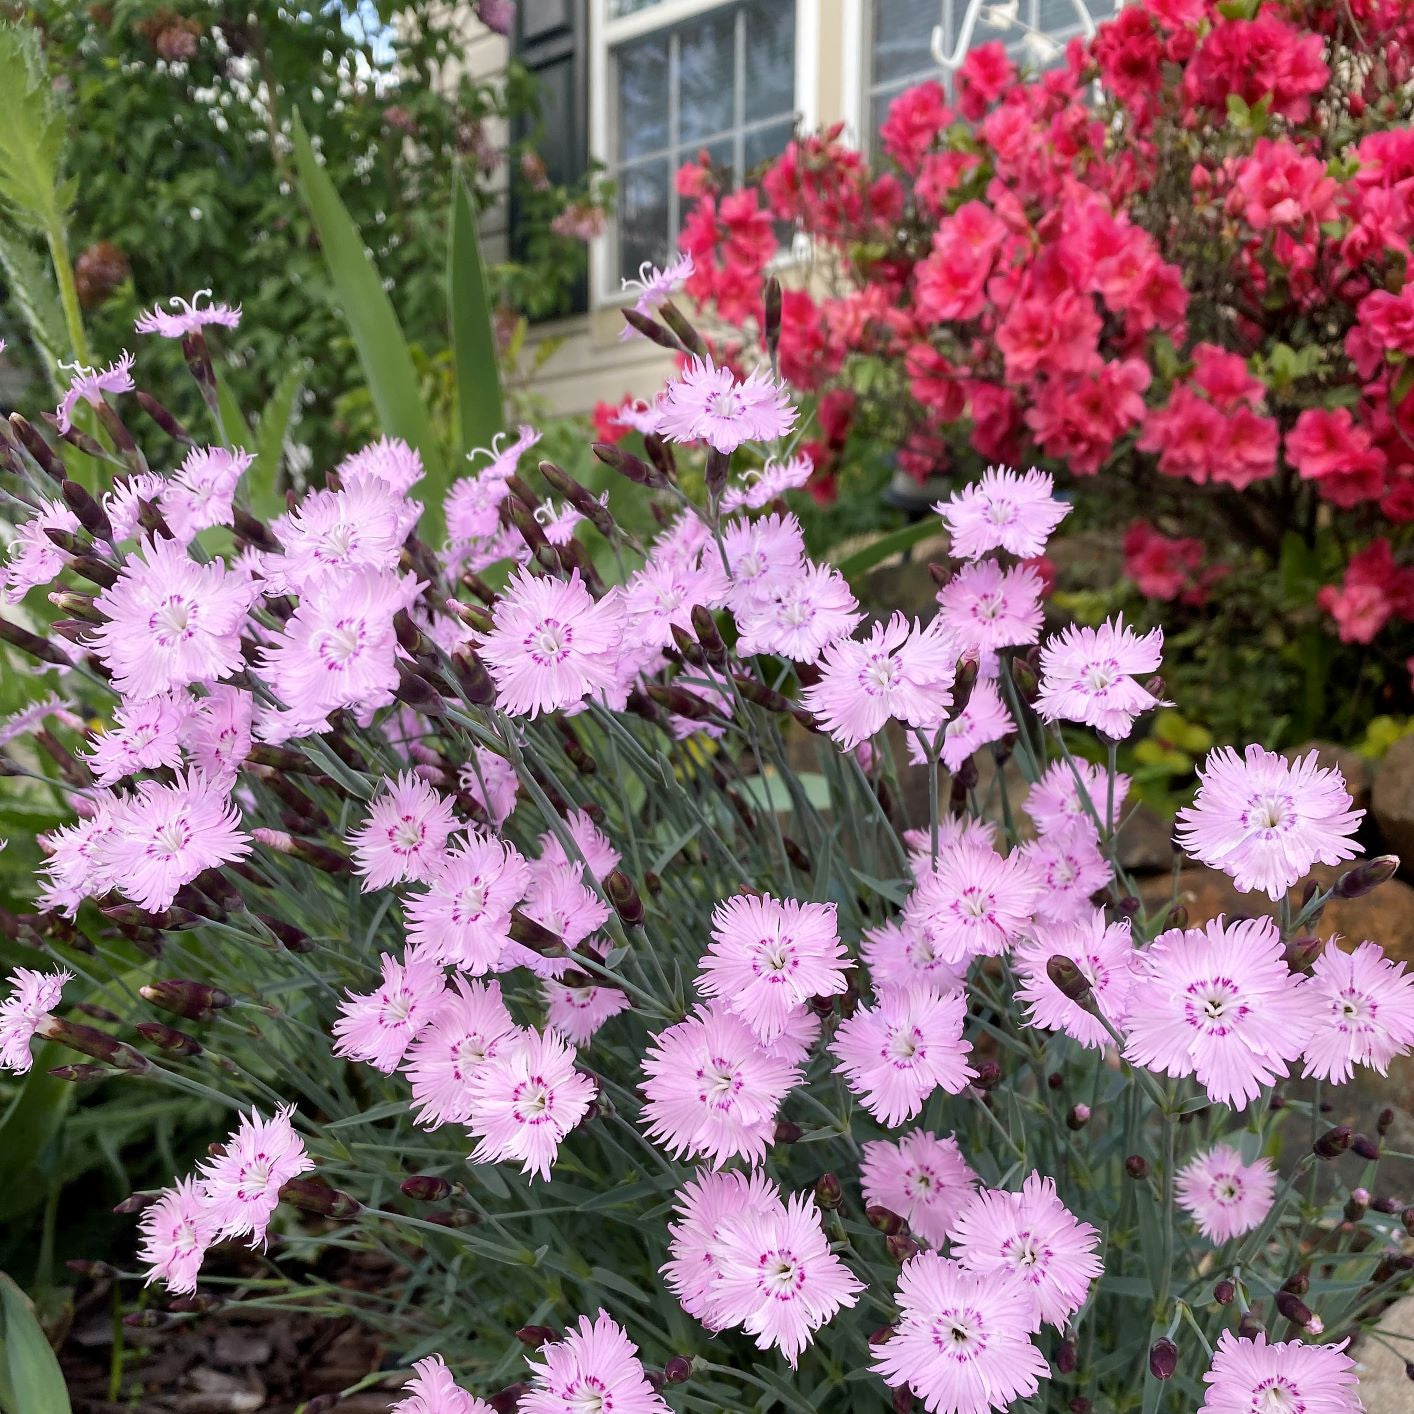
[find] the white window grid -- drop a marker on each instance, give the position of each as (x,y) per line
(609,31)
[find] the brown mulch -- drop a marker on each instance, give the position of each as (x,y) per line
(227,1360)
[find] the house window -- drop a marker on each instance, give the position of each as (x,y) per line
(679,77)
(901,33)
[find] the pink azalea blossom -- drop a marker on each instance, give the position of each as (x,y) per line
(900,671)
(922,1178)
(122,504)
(1002,511)
(801,617)
(981,722)
(163,836)
(1033,1235)
(759,488)
(974,902)
(1103,953)
(464,917)
(706,403)
(1365,1012)
(702,1207)
(525,1098)
(187,317)
(653,286)
(712,1090)
(89,385)
(901,955)
(593,844)
(895,1053)
(1221,1004)
(769,956)
(1069,868)
(379,1026)
(33,997)
(171,622)
(552,644)
(470,1026)
(662,595)
(1224,1196)
(145,734)
(578,1012)
(34,557)
(1087,676)
(389,460)
(985,608)
(363,525)
(176,1231)
(405,834)
(1055,802)
(432,1391)
(764,556)
(202,491)
(963,1342)
(216,732)
(778,1279)
(490,780)
(338,650)
(1266,820)
(1258,1374)
(241,1185)
(594,1366)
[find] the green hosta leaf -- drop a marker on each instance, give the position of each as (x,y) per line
(479,405)
(368,312)
(32,1382)
(31,132)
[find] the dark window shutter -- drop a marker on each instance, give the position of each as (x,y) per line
(550,40)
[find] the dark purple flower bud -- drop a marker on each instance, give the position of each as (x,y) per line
(1406,1217)
(315,1197)
(146,1320)
(1366,1147)
(31,643)
(829,1194)
(1301,952)
(622,894)
(91,515)
(533,1337)
(1068,979)
(89,1041)
(1386,1203)
(797,856)
(96,1271)
(1077,1117)
(1383,1123)
(136,1202)
(634,468)
(1055,1080)
(1136,1166)
(1298,1283)
(772,300)
(1224,1292)
(1293,1308)
(1066,1359)
(1250,1327)
(1080,1405)
(882,1336)
(989,1073)
(48,459)
(194,1000)
(169,1039)
(677,1370)
(507,1400)
(1163,1358)
(901,1247)
(1028,684)
(887,1221)
(426,1187)
(1334,1142)
(198,1303)
(81,1073)
(787,1132)
(1366,876)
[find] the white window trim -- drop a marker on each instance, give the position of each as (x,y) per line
(605,34)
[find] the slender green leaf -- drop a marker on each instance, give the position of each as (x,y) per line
(479,405)
(30,287)
(34,1382)
(368,312)
(852,567)
(231,425)
(28,1126)
(263,480)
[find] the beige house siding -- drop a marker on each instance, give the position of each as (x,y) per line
(586,361)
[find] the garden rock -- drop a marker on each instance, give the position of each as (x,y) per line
(1146,841)
(1384,1386)
(1392,801)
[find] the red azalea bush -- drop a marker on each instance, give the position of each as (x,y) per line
(1174,268)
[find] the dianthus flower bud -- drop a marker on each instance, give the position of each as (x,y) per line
(627,465)
(531,934)
(473,677)
(1357,1204)
(96,1271)
(1028,683)
(1177,917)
(1055,1080)
(1298,1283)
(989,1073)
(38,448)
(1301,952)
(829,1193)
(1224,1292)
(91,515)
(1068,979)
(882,1336)
(624,897)
(533,1337)
(91,1042)
(797,856)
(705,628)
(1137,1166)
(1066,1359)
(1365,876)
(901,1246)
(169,1039)
(417,692)
(194,1000)
(507,1401)
(1163,1358)
(81,1072)
(1366,1147)
(1406,1217)
(315,1197)
(1077,1117)
(1385,1203)
(320,856)
(677,1370)
(164,418)
(772,301)
(1334,1142)
(652,330)
(425,1187)
(1383,1123)
(787,1132)
(886,1220)
(1293,1307)
(1080,1405)
(31,643)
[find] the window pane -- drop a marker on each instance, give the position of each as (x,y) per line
(619,8)
(643,215)
(707,77)
(766,144)
(770,60)
(643,96)
(1057,16)
(902,32)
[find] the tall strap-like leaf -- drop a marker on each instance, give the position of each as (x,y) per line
(479,406)
(267,500)
(31,132)
(33,1382)
(372,322)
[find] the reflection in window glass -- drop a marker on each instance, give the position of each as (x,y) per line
(722,82)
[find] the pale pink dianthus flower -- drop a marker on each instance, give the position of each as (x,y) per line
(1225,1196)
(922,1178)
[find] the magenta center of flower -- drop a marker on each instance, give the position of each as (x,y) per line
(974,905)
(170,838)
(781,1273)
(1214,1006)
(341,645)
(407,835)
(336,543)
(905,1046)
(959,1334)
(719,1083)
(549,642)
(724,405)
(1277,1395)
(1269,814)
(173,620)
(881,673)
(532,1101)
(470,903)
(1000,512)
(1100,676)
